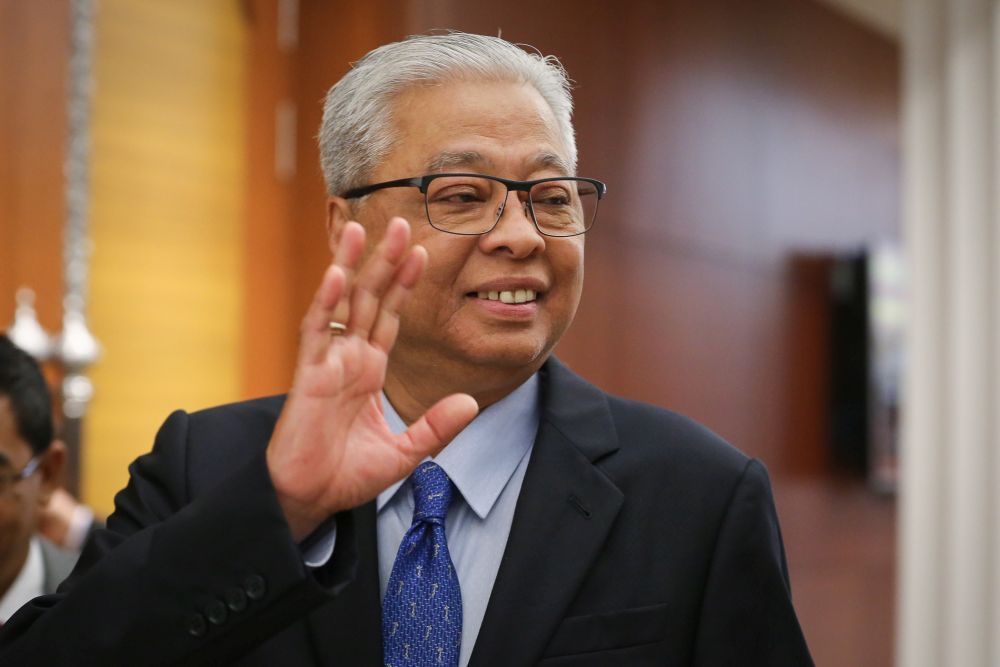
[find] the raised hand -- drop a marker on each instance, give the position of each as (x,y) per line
(331,448)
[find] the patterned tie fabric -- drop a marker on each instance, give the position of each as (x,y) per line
(422,609)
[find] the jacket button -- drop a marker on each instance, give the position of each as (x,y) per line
(196,625)
(255,586)
(236,599)
(216,612)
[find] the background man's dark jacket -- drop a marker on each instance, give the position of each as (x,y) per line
(639,538)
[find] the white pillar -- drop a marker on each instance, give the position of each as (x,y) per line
(949,546)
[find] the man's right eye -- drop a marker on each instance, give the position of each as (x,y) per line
(458,197)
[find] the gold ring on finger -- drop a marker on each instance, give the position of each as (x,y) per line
(337,329)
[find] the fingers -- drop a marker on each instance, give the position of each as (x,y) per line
(428,435)
(333,291)
(377,276)
(366,300)
(386,326)
(350,248)
(316,324)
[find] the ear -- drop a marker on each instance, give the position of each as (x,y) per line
(51,468)
(338,213)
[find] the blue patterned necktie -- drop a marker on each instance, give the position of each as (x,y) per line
(422,609)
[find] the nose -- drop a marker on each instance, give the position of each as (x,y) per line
(515,231)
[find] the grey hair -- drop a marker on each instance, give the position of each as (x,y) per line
(357,133)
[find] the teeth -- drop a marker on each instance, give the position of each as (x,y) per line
(509,296)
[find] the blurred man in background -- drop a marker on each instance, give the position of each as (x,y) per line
(31,465)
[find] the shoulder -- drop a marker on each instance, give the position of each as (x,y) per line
(198,446)
(668,455)
(251,415)
(657,433)
(642,445)
(236,422)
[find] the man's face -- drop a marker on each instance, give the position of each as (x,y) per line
(497,129)
(22,501)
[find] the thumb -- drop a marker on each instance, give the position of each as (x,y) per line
(428,435)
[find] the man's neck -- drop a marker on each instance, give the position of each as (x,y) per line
(412,392)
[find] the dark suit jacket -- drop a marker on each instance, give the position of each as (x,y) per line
(639,538)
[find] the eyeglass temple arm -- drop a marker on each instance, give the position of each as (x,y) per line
(354,193)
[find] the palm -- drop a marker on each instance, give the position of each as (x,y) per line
(338,405)
(332,448)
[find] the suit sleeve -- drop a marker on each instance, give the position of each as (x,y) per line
(177,580)
(747,616)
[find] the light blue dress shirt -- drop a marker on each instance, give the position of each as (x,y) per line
(486,462)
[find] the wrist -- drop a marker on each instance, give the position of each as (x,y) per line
(301,515)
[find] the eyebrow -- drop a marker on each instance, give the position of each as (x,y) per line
(547,159)
(451,159)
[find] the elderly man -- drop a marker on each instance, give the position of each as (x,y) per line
(555,524)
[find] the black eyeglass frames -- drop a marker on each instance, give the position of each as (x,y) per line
(472,204)
(8,480)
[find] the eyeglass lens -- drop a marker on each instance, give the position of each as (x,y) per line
(471,204)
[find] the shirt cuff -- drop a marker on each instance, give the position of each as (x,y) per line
(318,547)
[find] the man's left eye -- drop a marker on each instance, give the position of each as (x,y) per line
(554,199)
(463,198)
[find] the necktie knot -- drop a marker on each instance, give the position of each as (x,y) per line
(431,492)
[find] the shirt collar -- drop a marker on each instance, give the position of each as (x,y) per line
(30,583)
(483,457)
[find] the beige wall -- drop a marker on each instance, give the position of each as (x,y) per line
(167,196)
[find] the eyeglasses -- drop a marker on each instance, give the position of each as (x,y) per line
(472,204)
(8,480)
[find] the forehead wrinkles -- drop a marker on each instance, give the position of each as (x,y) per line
(448,160)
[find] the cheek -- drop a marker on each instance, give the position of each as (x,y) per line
(14,518)
(446,262)
(431,302)
(567,263)
(9,513)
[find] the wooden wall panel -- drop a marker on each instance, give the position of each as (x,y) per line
(34,52)
(287,249)
(269,316)
(333,34)
(167,201)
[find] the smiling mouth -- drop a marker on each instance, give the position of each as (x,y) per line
(508,296)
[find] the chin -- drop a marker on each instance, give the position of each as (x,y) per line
(508,354)
(472,349)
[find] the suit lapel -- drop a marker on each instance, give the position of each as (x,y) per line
(563,515)
(348,630)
